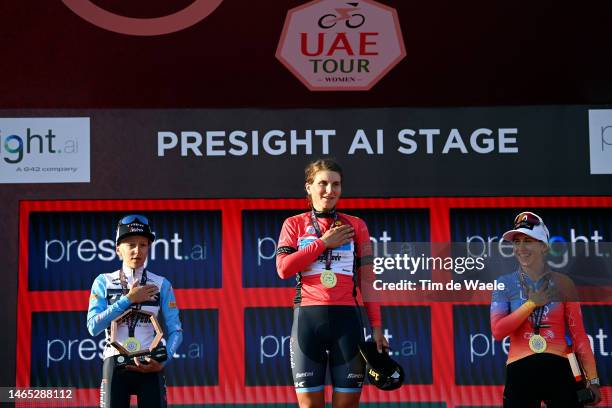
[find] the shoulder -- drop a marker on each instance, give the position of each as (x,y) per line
(508,278)
(510,281)
(294,219)
(109,278)
(362,235)
(356,222)
(156,279)
(105,280)
(565,284)
(560,278)
(296,222)
(361,229)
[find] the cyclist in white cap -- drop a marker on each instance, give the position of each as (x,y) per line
(536,308)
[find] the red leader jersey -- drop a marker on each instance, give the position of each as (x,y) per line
(300,252)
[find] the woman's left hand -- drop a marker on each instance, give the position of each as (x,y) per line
(381,341)
(596,394)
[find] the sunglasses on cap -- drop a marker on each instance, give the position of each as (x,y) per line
(128,219)
(526,220)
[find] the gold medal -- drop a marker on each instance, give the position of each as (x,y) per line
(131,344)
(329,279)
(537,343)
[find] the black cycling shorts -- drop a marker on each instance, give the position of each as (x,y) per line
(322,335)
(540,377)
(119,383)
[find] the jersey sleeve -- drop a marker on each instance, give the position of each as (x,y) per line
(171,317)
(580,341)
(289,258)
(575,326)
(100,314)
(503,323)
(365,272)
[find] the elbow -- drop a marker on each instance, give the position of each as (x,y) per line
(281,273)
(497,333)
(281,270)
(179,339)
(91,327)
(174,341)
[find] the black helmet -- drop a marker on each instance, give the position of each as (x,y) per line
(384,372)
(133,224)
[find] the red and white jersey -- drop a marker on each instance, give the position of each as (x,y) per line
(300,252)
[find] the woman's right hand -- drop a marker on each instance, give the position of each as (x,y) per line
(140,294)
(338,236)
(544,295)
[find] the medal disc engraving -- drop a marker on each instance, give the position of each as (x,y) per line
(131,344)
(537,343)
(329,279)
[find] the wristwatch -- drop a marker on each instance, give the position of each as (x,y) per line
(594,381)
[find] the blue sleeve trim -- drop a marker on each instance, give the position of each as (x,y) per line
(171,317)
(310,389)
(100,314)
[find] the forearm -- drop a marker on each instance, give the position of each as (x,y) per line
(98,321)
(503,325)
(288,265)
(373,312)
(580,341)
(174,341)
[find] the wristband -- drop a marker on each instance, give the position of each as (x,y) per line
(594,381)
(531,304)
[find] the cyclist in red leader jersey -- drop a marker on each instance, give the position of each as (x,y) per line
(536,309)
(330,254)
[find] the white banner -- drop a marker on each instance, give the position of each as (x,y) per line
(44,150)
(600,137)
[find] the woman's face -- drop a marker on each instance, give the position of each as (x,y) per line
(133,250)
(325,190)
(528,251)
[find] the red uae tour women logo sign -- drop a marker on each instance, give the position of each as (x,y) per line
(190,15)
(333,45)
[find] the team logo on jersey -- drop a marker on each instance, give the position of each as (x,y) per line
(310,229)
(303,242)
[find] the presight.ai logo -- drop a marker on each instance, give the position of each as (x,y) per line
(600,140)
(44,150)
(15,146)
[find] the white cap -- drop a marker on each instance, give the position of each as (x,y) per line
(530,224)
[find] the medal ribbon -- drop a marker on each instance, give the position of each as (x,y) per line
(538,313)
(132,321)
(315,224)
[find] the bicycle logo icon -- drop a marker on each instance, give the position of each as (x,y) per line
(349,16)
